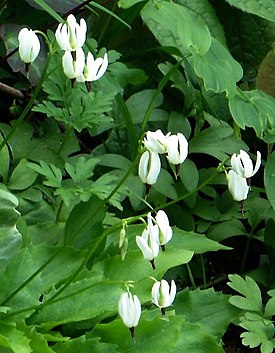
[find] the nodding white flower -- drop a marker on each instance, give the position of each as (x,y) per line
(156,141)
(242,164)
(94,69)
(148,241)
(73,64)
(177,148)
(163,295)
(165,231)
(237,185)
(71,35)
(29,45)
(149,167)
(129,309)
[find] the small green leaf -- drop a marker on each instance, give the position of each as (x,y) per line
(22,176)
(251,298)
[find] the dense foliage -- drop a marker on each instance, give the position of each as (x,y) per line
(85,247)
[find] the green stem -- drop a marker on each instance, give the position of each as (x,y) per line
(190,275)
(203,271)
(246,251)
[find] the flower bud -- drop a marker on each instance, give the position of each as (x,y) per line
(177,148)
(237,185)
(129,309)
(149,167)
(29,45)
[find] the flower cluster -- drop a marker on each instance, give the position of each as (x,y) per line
(129,307)
(71,37)
(174,146)
(158,232)
(238,177)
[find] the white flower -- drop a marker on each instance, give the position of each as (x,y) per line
(148,241)
(165,231)
(94,69)
(149,167)
(129,309)
(177,148)
(73,64)
(242,164)
(71,35)
(29,45)
(162,295)
(156,141)
(237,185)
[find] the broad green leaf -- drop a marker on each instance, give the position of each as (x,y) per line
(10,238)
(214,314)
(44,5)
(219,71)
(224,230)
(50,264)
(254,109)
(203,12)
(262,8)
(198,243)
(116,161)
(5,161)
(125,4)
(13,339)
(269,179)
(83,344)
(84,224)
(189,175)
(172,334)
(217,142)
(22,177)
(251,298)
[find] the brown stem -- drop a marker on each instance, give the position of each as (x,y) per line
(11,91)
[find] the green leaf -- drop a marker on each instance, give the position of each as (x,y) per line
(251,298)
(49,9)
(38,274)
(22,177)
(84,344)
(219,71)
(125,4)
(5,161)
(214,314)
(13,339)
(10,238)
(51,172)
(189,175)
(269,179)
(217,142)
(172,334)
(84,224)
(254,109)
(262,8)
(203,12)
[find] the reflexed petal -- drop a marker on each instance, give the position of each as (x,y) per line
(155,141)
(145,248)
(246,161)
(154,168)
(258,162)
(166,231)
(155,293)
(143,166)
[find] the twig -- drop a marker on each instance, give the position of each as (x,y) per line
(11,91)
